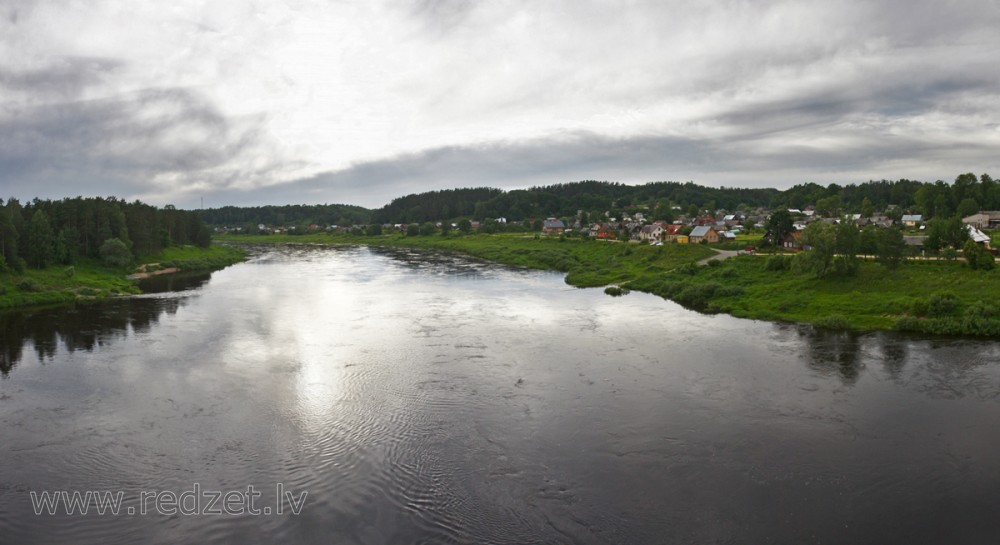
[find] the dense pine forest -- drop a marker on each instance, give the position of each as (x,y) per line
(291,214)
(45,232)
(967,195)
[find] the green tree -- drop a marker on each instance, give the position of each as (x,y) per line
(465,226)
(846,246)
(867,208)
(829,206)
(778,226)
(412,229)
(115,253)
(955,232)
(41,241)
(967,207)
(374,229)
(8,236)
(427,228)
(889,247)
(445,228)
(820,238)
(868,241)
(976,256)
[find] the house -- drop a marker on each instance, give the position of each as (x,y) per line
(728,236)
(877,221)
(911,220)
(792,241)
(650,232)
(553,226)
(671,232)
(704,232)
(605,232)
(978,236)
(983,220)
(682,239)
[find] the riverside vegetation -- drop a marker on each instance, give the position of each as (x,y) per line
(83,248)
(91,279)
(947,297)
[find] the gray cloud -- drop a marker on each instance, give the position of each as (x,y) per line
(65,78)
(588,156)
(362,102)
(122,144)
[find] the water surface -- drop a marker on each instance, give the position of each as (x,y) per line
(427,398)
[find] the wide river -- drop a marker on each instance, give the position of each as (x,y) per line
(405,397)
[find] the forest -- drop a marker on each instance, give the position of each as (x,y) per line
(46,232)
(290,214)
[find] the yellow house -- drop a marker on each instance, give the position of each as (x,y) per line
(681,239)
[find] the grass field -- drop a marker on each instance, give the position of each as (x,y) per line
(89,279)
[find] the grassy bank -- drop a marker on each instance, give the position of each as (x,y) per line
(938,297)
(930,297)
(89,279)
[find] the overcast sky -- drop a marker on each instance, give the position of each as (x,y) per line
(274,102)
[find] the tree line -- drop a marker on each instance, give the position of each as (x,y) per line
(290,214)
(46,232)
(659,200)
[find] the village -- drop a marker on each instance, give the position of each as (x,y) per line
(737,230)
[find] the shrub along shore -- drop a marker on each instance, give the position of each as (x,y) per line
(91,279)
(945,297)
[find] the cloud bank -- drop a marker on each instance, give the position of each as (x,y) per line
(298,101)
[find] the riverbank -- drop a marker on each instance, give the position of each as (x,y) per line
(89,280)
(586,263)
(929,297)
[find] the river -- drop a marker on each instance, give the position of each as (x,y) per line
(415,397)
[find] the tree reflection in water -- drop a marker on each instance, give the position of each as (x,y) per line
(77,327)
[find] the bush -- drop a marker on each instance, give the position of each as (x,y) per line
(907,323)
(690,269)
(980,310)
(834,321)
(714,263)
(28,285)
(778,263)
(943,304)
(114,253)
(616,291)
(69,272)
(698,295)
